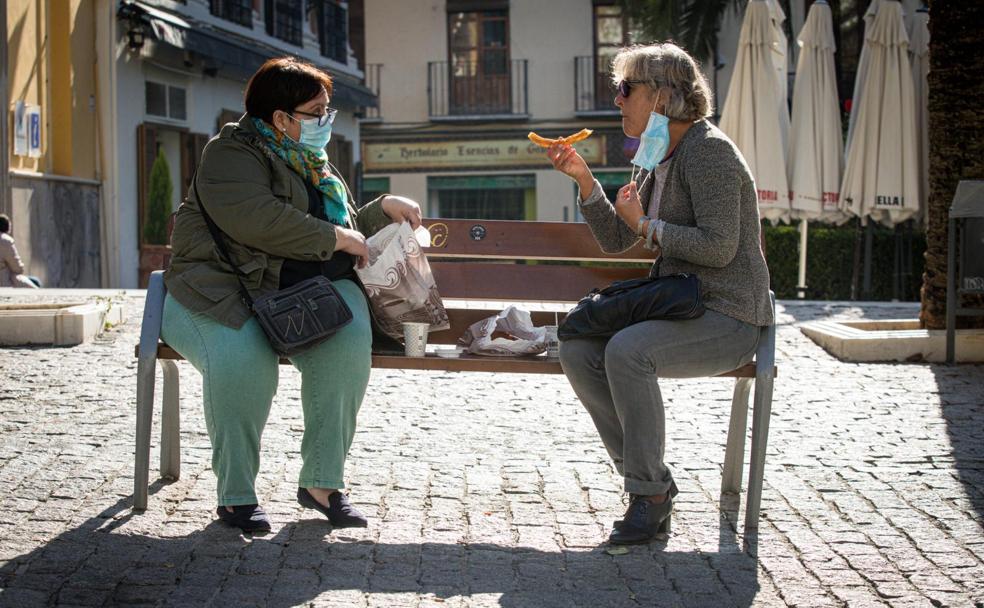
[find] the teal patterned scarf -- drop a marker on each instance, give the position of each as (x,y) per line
(311,166)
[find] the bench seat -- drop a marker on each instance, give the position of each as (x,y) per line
(461,362)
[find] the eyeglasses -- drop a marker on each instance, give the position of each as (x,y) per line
(323,119)
(625,86)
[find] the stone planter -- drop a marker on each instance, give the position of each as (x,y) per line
(57,324)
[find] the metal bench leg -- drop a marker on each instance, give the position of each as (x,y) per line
(765,361)
(760,437)
(171,422)
(734,453)
(150,331)
(145,416)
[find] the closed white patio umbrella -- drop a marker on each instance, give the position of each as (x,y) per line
(919,56)
(881,171)
(815,144)
(755,114)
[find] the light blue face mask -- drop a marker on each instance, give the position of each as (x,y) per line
(653,142)
(314,135)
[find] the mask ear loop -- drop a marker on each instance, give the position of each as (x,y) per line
(655,103)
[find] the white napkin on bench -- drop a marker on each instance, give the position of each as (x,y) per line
(523,338)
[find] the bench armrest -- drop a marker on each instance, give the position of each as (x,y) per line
(150,327)
(765,356)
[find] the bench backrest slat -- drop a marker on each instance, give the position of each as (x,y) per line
(524,282)
(520,240)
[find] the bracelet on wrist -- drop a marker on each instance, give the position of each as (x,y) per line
(640,223)
(650,243)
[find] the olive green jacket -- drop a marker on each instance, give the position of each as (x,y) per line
(261,206)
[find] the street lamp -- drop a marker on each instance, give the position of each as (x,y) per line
(135,36)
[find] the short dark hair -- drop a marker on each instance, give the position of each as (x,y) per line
(4,223)
(283,83)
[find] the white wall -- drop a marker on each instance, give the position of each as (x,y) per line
(410,185)
(554,192)
(549,35)
(403,37)
(129,114)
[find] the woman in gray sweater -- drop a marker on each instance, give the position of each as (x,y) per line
(694,205)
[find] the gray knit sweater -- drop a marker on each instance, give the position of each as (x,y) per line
(712,224)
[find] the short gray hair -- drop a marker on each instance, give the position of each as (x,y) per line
(667,66)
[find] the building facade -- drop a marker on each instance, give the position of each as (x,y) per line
(114,84)
(462,82)
(51,165)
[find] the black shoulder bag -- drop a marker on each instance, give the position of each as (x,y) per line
(604,312)
(293,319)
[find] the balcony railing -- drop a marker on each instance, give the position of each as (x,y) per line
(465,90)
(593,90)
(372,83)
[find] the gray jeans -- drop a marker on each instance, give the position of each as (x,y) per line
(617,380)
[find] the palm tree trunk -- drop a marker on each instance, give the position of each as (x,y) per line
(956,137)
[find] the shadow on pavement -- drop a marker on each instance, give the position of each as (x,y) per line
(99,563)
(959,390)
(961,395)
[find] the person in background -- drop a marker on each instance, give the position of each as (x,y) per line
(286,216)
(694,206)
(11,267)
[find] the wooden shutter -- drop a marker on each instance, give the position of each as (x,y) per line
(146,154)
(192,145)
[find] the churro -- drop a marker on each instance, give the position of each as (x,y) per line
(546,142)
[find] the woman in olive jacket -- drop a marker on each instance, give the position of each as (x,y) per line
(286,216)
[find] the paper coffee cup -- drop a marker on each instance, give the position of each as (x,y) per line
(553,344)
(415,338)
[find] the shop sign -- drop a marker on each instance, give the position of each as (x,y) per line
(469,154)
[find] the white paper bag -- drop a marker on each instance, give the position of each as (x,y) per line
(399,282)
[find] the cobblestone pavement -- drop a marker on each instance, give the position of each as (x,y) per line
(495,491)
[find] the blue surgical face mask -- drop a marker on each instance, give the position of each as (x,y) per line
(313,135)
(653,142)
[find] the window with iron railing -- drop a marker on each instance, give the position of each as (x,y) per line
(612,31)
(284,20)
(332,22)
(237,11)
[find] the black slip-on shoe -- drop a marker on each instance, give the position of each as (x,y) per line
(643,522)
(339,511)
(248,518)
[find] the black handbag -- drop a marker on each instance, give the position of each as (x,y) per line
(604,312)
(296,318)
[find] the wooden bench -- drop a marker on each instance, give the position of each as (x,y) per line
(481,266)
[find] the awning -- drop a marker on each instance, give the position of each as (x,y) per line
(229,53)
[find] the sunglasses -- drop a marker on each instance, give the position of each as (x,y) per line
(323,119)
(625,86)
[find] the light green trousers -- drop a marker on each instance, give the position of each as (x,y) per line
(239,379)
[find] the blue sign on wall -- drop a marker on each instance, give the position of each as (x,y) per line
(34,131)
